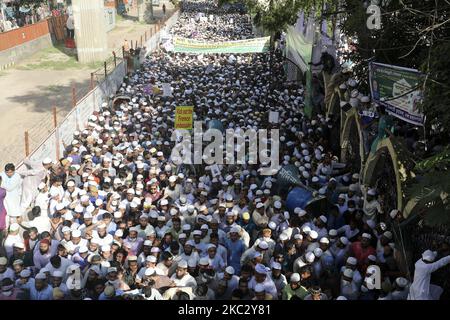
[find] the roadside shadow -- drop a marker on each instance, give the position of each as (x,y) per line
(43,98)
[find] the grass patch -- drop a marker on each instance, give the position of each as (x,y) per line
(56,58)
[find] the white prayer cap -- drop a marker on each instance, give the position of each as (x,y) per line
(276,266)
(313,234)
(25,273)
(229,270)
(401,282)
(324,240)
(272,225)
(348,273)
(429,255)
(105,248)
(323,219)
(344,240)
(259,205)
(41,276)
(41,186)
(277,204)
(332,233)
(372,192)
(59,206)
(76,233)
(46,161)
(394,213)
(318,252)
(263,245)
(366,235)
(310,257)
(298,236)
(14,227)
(259,268)
(388,234)
(83,249)
(352,261)
(182,264)
(341,298)
(295,277)
(65,229)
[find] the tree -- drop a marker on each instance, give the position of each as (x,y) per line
(432,188)
(414,34)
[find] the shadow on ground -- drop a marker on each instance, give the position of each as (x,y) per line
(43,98)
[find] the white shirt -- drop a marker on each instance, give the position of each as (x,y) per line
(186,281)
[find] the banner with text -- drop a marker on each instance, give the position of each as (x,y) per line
(184,117)
(398,89)
(238,46)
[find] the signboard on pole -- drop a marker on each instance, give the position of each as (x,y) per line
(184,117)
(274,116)
(399,90)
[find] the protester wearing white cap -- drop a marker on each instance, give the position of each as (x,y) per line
(182,278)
(262,278)
(421,289)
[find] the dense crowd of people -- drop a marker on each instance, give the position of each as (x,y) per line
(117,219)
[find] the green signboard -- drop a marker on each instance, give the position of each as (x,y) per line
(398,89)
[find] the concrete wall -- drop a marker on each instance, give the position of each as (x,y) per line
(16,54)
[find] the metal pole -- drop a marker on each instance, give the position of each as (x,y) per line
(145,36)
(106,69)
(27,144)
(92,81)
(141,41)
(74,97)
(55,119)
(115,61)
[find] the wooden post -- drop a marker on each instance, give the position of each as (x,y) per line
(145,36)
(55,124)
(123,52)
(74,97)
(115,61)
(106,69)
(27,144)
(92,81)
(141,41)
(131,44)
(55,119)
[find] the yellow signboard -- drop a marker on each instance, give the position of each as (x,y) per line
(184,117)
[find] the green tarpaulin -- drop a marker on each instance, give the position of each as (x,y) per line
(299,51)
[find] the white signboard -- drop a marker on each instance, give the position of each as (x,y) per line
(274,116)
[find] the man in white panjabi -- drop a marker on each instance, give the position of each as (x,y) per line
(12,183)
(421,289)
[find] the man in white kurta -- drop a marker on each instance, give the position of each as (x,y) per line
(12,183)
(182,278)
(421,289)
